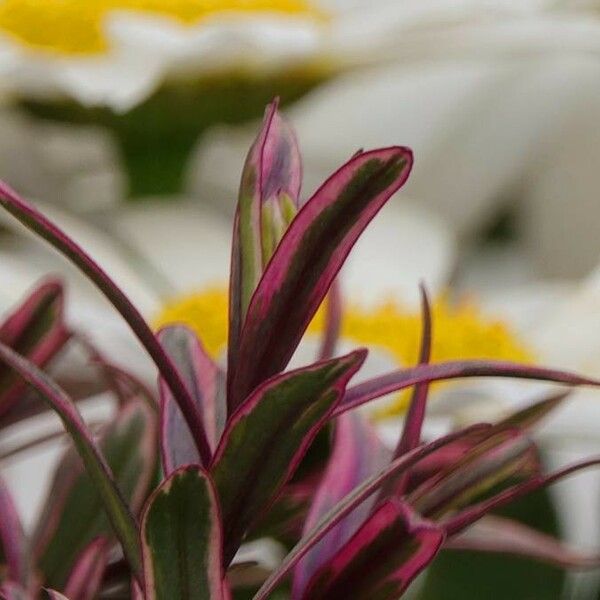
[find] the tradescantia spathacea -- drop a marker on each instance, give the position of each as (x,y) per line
(159,501)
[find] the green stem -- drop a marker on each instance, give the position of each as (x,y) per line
(156,166)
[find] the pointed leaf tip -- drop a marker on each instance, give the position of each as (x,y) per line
(268,200)
(269,434)
(306,262)
(383,557)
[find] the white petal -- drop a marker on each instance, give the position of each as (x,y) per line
(145,50)
(187,245)
(402,247)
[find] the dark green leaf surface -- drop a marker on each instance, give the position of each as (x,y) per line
(182,540)
(266,438)
(73,515)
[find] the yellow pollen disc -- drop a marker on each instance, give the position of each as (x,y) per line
(75,27)
(460,331)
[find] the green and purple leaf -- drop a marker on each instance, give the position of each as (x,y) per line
(206,385)
(31,218)
(465,518)
(13,544)
(36,329)
(273,169)
(405,378)
(73,515)
(11,590)
(500,535)
(528,417)
(413,424)
(411,434)
(382,559)
(497,459)
(86,576)
(54,595)
(268,200)
(268,435)
(120,516)
(306,262)
(182,540)
(345,506)
(357,454)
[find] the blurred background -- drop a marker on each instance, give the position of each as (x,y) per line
(128,121)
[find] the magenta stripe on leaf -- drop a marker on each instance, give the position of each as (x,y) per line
(357,454)
(206,386)
(382,559)
(404,378)
(306,262)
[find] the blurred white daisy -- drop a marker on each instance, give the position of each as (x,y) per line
(158,73)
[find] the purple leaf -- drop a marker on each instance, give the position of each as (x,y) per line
(31,218)
(357,454)
(72,514)
(10,590)
(496,459)
(13,543)
(404,378)
(457,523)
(411,434)
(86,576)
(269,189)
(54,595)
(266,438)
(121,518)
(306,262)
(531,415)
(345,506)
(182,540)
(382,559)
(333,321)
(502,535)
(35,329)
(206,385)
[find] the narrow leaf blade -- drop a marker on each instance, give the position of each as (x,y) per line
(31,218)
(86,576)
(404,378)
(496,534)
(73,514)
(345,506)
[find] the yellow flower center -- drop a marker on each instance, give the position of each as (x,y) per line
(76,27)
(460,331)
